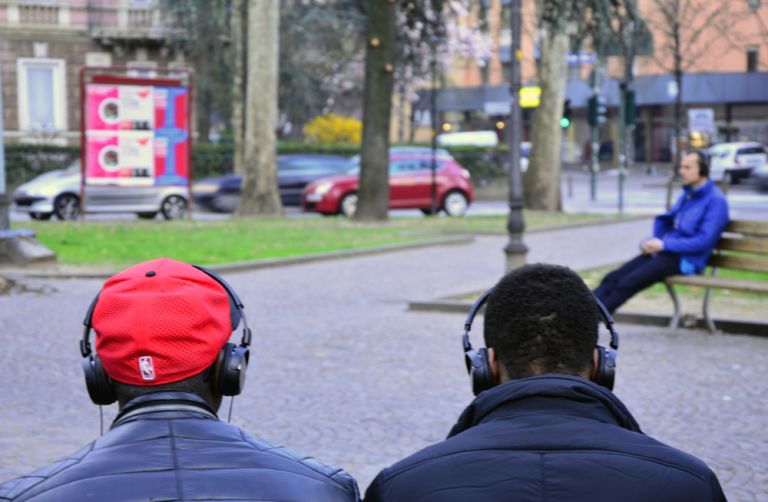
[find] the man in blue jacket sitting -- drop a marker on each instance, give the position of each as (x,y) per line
(683,238)
(547,427)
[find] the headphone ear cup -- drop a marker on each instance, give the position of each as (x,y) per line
(98,383)
(479,370)
(605,372)
(229,373)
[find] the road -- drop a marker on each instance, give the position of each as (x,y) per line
(644,195)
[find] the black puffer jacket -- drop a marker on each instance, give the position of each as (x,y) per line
(552,437)
(172,447)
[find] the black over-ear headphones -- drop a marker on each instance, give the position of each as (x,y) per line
(227,371)
(704,161)
(480,369)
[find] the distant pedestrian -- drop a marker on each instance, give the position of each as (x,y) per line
(162,352)
(545,424)
(683,238)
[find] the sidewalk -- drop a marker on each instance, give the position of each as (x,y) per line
(341,370)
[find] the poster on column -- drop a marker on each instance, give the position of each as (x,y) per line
(136,135)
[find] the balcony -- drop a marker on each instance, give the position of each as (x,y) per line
(109,24)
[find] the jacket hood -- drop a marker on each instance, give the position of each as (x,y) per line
(527,394)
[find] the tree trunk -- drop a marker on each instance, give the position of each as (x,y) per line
(542,180)
(678,99)
(260,194)
(373,201)
(239,36)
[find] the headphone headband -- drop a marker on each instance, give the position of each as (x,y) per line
(478,365)
(228,369)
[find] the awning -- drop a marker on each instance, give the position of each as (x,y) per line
(698,89)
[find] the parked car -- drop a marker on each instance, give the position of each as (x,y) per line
(760,176)
(410,187)
(733,162)
(294,172)
(58,193)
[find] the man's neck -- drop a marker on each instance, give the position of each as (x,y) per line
(698,184)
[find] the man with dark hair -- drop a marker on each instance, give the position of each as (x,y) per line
(162,329)
(544,430)
(683,238)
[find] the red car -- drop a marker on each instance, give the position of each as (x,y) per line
(410,187)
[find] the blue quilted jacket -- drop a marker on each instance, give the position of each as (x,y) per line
(173,448)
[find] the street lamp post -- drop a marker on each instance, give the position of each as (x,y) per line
(433,121)
(5,223)
(515,250)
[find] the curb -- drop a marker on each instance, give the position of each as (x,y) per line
(568,226)
(259,264)
(725,325)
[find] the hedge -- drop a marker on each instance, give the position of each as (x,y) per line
(25,161)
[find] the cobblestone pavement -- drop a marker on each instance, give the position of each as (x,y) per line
(342,371)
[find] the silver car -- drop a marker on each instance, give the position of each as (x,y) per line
(58,193)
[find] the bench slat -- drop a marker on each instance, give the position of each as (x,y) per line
(752,263)
(719,283)
(746,244)
(748,227)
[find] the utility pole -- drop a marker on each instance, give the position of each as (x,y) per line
(5,222)
(515,250)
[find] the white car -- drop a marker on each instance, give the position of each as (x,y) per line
(732,162)
(58,193)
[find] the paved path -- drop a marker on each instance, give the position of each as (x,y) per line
(343,371)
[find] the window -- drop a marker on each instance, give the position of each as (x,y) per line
(41,94)
(752,59)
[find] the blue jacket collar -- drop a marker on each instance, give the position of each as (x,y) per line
(552,392)
(701,191)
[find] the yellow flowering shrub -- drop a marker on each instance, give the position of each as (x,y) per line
(331,128)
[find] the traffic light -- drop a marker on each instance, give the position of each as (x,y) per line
(630,108)
(566,119)
(597,109)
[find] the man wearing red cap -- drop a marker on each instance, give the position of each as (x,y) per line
(162,352)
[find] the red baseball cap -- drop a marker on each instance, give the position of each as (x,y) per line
(159,322)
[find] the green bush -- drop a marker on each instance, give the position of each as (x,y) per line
(24,161)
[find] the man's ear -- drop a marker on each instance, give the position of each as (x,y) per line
(593,366)
(495,366)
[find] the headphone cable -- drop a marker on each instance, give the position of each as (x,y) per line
(101,420)
(229,416)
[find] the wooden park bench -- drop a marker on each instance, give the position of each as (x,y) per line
(744,246)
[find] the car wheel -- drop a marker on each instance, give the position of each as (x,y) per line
(455,203)
(40,216)
(173,207)
(149,215)
(66,206)
(348,204)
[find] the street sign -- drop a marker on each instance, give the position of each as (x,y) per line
(702,120)
(530,97)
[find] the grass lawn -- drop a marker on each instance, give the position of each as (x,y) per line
(215,242)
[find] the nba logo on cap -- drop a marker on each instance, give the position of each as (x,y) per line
(147,368)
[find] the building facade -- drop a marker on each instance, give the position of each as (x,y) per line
(45,43)
(724,56)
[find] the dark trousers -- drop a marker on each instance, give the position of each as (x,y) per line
(634,276)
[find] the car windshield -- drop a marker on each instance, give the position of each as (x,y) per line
(314,164)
